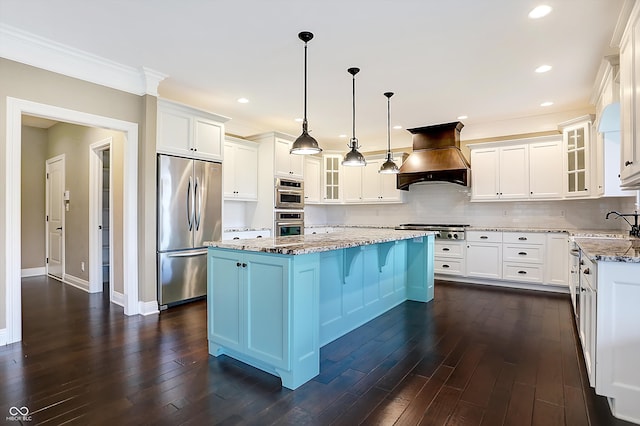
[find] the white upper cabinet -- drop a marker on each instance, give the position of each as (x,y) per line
(500,173)
(521,169)
(189,132)
(312,179)
(545,169)
(240,170)
(630,102)
(485,165)
(514,172)
(366,186)
(577,144)
(331,178)
(287,164)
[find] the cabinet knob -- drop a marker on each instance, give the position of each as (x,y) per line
(628,163)
(238,264)
(586,271)
(244,265)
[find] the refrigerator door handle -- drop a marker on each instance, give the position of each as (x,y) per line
(198,201)
(189,207)
(188,254)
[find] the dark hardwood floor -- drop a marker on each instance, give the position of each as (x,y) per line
(473,356)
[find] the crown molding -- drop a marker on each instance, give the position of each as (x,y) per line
(27,48)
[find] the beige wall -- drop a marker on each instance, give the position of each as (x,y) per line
(29,83)
(73,141)
(34,155)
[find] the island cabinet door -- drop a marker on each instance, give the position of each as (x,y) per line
(224,299)
(267,309)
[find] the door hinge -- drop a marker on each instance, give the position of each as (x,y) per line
(47,175)
(47,260)
(47,218)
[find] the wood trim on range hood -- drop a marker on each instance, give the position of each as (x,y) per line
(436,157)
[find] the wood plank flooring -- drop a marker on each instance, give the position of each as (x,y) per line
(473,356)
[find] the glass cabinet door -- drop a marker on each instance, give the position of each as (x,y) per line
(577,145)
(332,178)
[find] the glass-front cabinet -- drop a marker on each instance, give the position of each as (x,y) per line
(577,139)
(331,181)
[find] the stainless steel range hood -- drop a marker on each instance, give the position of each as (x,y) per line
(436,157)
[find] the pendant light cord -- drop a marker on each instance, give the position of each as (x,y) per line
(354,140)
(388,125)
(304,121)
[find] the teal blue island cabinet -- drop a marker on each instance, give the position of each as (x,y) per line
(273,303)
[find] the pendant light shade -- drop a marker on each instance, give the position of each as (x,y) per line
(389,167)
(305,143)
(353,157)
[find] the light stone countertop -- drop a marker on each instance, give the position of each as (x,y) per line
(610,249)
(314,243)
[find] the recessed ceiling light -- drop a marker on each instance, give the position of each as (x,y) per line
(540,11)
(342,136)
(243,100)
(298,120)
(397,127)
(463,117)
(546,104)
(543,68)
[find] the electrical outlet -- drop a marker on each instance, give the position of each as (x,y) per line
(561,213)
(82,266)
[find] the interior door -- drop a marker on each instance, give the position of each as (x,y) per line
(55,216)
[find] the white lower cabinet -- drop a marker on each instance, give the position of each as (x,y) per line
(484,254)
(449,257)
(518,257)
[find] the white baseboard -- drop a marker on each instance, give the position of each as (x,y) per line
(33,272)
(504,283)
(76,282)
(117,298)
(149,308)
(3,336)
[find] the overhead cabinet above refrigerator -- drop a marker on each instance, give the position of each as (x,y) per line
(189,213)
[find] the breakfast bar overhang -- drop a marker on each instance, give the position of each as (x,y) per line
(273,303)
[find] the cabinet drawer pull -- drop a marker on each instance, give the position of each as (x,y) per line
(522,272)
(236,238)
(522,253)
(522,238)
(483,237)
(628,163)
(445,266)
(445,249)
(259,236)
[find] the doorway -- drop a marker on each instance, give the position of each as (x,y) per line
(101,259)
(54,226)
(12,244)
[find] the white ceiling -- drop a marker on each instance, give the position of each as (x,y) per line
(442,59)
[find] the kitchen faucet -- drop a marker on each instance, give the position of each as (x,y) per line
(635,230)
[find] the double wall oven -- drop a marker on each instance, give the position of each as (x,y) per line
(289,207)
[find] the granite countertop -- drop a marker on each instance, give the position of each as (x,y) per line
(610,249)
(304,244)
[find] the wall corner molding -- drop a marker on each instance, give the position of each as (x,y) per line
(27,48)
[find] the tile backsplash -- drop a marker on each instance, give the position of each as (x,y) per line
(449,203)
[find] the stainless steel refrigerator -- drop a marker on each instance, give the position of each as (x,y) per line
(189,213)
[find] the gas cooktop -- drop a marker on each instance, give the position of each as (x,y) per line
(449,231)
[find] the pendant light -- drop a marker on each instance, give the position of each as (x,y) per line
(353,157)
(389,167)
(305,144)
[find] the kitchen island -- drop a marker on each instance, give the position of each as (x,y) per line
(273,302)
